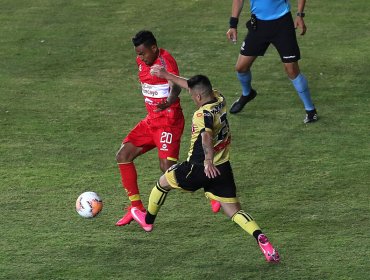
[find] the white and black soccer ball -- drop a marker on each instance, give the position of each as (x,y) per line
(89,204)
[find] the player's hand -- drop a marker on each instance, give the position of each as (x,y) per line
(158,70)
(162,106)
(299,23)
(211,170)
(232,35)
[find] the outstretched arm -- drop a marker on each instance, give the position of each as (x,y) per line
(161,72)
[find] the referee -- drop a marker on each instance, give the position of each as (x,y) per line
(271,22)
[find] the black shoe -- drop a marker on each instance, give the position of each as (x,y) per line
(311,116)
(239,104)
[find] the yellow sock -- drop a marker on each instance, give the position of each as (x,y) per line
(156,199)
(245,221)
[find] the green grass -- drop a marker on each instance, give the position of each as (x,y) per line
(69,94)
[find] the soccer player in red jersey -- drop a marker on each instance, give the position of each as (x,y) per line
(163,125)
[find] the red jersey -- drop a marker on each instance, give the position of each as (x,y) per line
(156,90)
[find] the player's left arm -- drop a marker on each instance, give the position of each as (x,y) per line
(174,92)
(299,22)
(210,169)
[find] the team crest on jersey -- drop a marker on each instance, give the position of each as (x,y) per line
(199,115)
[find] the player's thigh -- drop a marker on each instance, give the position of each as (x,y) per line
(256,42)
(140,136)
(222,188)
(285,40)
(186,176)
(167,141)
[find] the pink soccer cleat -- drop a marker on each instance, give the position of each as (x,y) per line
(216,206)
(267,249)
(126,219)
(139,216)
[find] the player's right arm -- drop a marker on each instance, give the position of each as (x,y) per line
(210,169)
(237,6)
(161,72)
(299,22)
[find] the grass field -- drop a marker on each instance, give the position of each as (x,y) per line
(69,94)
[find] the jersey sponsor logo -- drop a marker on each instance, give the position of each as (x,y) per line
(164,147)
(199,115)
(156,91)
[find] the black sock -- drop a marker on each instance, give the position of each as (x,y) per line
(256,233)
(149,218)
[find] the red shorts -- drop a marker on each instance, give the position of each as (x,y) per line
(149,134)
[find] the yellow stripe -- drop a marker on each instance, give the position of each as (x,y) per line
(221,199)
(134,197)
(172,159)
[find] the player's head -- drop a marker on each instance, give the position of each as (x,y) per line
(146,46)
(200,84)
(200,89)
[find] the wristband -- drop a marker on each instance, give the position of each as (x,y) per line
(300,14)
(233,22)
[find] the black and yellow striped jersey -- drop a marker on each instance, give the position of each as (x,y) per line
(211,117)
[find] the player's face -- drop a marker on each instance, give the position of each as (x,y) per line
(147,54)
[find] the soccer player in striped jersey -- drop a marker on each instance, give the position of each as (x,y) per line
(207,165)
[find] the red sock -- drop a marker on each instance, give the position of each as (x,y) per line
(129,182)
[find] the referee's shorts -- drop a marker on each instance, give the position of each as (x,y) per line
(279,32)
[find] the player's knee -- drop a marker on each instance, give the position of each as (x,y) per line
(124,155)
(241,68)
(292,70)
(119,157)
(164,183)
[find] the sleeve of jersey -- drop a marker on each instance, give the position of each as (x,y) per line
(208,120)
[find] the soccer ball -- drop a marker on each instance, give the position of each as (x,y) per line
(89,204)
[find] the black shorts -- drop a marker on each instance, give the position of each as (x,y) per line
(191,177)
(279,32)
